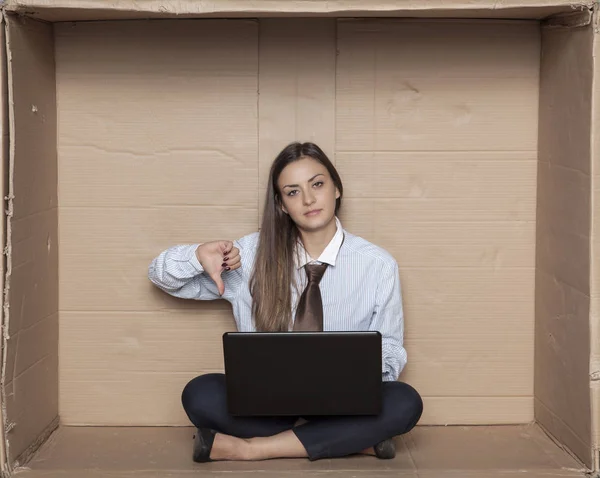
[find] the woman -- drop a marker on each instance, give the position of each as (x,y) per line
(263,275)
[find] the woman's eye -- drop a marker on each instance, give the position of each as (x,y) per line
(293,192)
(318,184)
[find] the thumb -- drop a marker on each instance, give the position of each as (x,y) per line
(216,277)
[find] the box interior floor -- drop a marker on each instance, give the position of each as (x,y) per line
(426,452)
(466,148)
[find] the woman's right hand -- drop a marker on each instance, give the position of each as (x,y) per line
(216,257)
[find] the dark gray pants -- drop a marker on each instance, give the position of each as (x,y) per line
(204,401)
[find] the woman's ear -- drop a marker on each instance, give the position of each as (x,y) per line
(337,193)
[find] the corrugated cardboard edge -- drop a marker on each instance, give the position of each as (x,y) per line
(579,18)
(71,10)
(256,6)
(4,144)
(594,258)
(31,450)
(8,171)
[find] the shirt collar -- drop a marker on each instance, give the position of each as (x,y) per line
(329,254)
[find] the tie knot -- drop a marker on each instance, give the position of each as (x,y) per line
(315,272)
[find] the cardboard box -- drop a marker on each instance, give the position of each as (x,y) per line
(466,133)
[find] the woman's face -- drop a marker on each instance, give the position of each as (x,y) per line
(308,194)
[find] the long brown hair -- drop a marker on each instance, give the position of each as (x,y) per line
(274,269)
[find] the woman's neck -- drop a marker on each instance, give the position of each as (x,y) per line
(315,242)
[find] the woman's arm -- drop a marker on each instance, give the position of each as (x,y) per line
(388,319)
(178,272)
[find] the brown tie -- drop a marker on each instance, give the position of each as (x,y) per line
(309,314)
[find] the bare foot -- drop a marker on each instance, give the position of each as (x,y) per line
(282,445)
(368,451)
(226,447)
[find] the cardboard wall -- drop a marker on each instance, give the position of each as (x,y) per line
(164,139)
(297,86)
(31,368)
(158,142)
(436,129)
(562,340)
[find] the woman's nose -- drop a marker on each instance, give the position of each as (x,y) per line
(309,198)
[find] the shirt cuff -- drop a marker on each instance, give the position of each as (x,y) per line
(194,262)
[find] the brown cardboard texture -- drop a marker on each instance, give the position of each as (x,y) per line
(595,262)
(73,10)
(4,155)
(466,137)
(562,381)
(106,303)
(31,303)
(426,451)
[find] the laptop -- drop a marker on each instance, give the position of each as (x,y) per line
(303,373)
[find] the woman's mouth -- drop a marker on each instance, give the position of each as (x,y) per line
(314,212)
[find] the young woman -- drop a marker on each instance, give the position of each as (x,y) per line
(303,271)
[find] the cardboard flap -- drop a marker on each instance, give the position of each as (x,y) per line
(73,10)
(30,366)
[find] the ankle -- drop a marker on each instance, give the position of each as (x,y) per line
(368,451)
(250,449)
(225,447)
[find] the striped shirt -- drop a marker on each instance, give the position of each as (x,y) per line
(360,288)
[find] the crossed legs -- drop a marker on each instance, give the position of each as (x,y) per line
(259,438)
